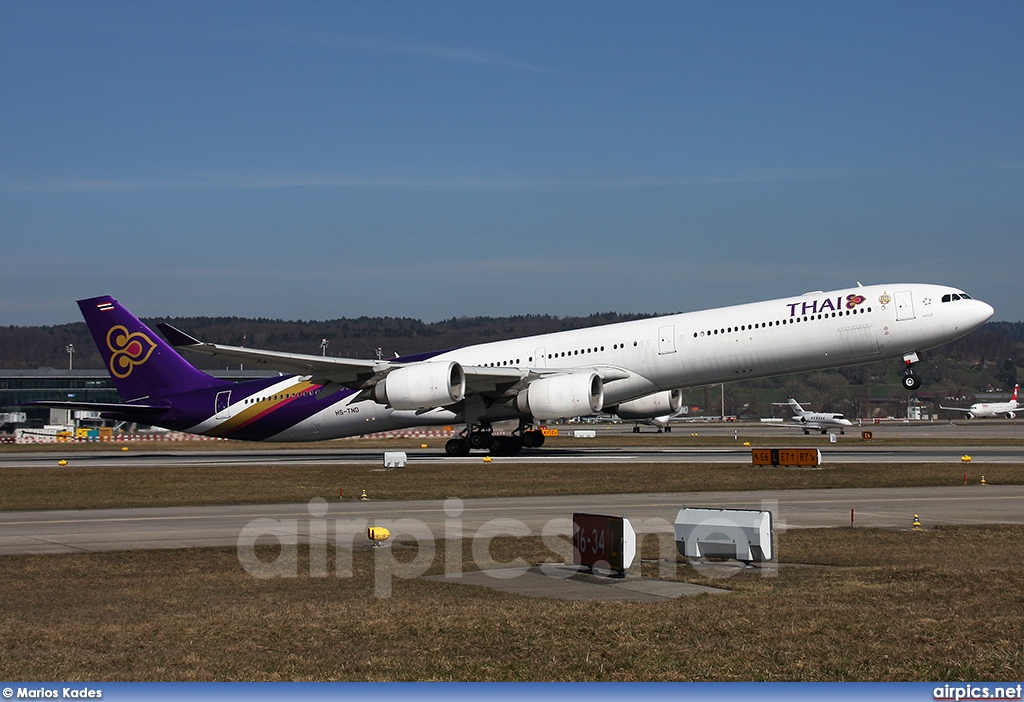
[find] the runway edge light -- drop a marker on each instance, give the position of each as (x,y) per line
(377,535)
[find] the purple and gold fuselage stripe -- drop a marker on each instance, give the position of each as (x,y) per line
(261,408)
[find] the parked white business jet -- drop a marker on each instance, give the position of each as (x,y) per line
(632,369)
(991,409)
(819,421)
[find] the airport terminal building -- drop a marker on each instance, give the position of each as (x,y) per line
(17,386)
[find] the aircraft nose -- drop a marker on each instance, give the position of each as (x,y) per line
(984,311)
(967,317)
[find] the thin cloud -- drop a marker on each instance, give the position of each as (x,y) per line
(282,31)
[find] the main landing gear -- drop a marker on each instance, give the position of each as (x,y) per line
(481,436)
(910,381)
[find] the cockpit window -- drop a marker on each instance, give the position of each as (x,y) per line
(965,296)
(952,297)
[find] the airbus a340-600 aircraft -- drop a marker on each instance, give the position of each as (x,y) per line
(633,369)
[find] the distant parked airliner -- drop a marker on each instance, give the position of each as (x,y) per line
(1008,410)
(633,369)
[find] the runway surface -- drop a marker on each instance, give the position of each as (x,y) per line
(71,531)
(144,457)
(945,442)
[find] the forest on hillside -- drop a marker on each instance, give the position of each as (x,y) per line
(988,360)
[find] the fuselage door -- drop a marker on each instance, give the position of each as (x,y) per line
(540,357)
(222,408)
(904,305)
(667,339)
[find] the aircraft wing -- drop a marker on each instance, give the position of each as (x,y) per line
(957,409)
(359,373)
(795,423)
(343,371)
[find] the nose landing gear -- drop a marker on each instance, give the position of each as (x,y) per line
(910,381)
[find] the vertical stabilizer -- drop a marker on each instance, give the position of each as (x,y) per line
(796,406)
(141,364)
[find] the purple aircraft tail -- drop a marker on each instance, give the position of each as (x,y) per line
(141,364)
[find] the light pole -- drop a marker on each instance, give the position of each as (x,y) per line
(71,365)
(323,347)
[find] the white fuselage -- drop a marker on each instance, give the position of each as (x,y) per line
(756,340)
(995,409)
(745,341)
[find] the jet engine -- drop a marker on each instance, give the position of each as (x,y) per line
(570,395)
(657,405)
(422,386)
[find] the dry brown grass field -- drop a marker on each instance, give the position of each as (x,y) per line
(943,604)
(846,604)
(72,487)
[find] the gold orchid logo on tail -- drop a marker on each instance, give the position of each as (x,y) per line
(128,349)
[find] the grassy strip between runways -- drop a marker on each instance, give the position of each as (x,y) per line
(74,487)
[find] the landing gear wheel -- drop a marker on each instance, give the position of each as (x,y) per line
(478,439)
(910,382)
(533,439)
(456,447)
(505,445)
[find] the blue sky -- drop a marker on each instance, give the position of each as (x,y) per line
(315,160)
